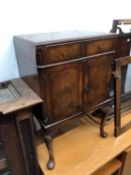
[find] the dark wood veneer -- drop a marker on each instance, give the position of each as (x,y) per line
(98,72)
(64,85)
(59,53)
(99,46)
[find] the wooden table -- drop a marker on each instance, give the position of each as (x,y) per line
(81,151)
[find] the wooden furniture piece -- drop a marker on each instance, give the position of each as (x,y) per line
(119,64)
(4,169)
(71,71)
(123,45)
(126,160)
(116,24)
(80,151)
(111,168)
(16,129)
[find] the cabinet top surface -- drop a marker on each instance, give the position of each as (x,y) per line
(46,38)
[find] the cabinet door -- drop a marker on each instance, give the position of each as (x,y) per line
(63,90)
(97,80)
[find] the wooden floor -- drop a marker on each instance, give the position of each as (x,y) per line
(81,151)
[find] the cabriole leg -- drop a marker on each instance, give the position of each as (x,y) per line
(102,125)
(49,143)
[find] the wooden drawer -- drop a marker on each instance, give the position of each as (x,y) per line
(99,46)
(57,53)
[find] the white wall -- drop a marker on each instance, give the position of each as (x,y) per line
(32,16)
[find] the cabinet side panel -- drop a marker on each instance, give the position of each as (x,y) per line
(26,59)
(25,49)
(29,74)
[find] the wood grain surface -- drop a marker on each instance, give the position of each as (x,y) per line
(26,97)
(81,151)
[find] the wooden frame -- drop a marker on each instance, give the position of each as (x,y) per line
(118,22)
(119,63)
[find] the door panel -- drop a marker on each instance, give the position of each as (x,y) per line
(97,79)
(64,86)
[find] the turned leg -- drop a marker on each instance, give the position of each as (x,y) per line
(49,141)
(102,125)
